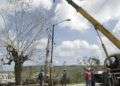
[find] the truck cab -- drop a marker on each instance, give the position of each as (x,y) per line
(110,71)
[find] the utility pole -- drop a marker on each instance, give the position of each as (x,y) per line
(51,60)
(52,48)
(46,59)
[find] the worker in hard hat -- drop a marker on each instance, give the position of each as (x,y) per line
(88,76)
(41,77)
(64,77)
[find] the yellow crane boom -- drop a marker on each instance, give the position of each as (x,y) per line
(96,24)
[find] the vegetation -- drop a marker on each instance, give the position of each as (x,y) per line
(75,72)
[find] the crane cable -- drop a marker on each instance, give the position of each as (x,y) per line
(103,45)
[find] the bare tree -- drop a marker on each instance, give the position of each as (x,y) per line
(23,28)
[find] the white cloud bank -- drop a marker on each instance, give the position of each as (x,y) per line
(72,48)
(71,51)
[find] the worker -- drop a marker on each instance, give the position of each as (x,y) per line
(64,77)
(88,76)
(92,77)
(107,77)
(41,78)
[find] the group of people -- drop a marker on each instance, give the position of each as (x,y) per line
(42,78)
(89,77)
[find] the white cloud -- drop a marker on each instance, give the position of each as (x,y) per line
(41,44)
(70,51)
(44,3)
(27,3)
(65,11)
(101,10)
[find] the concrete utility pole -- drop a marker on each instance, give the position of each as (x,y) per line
(52,48)
(46,59)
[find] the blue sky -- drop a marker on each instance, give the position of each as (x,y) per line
(77,39)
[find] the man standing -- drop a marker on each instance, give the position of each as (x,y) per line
(41,78)
(88,77)
(107,78)
(92,77)
(64,78)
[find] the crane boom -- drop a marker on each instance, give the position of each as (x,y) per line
(96,24)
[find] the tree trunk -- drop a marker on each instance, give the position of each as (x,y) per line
(18,72)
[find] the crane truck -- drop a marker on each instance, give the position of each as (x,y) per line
(112,62)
